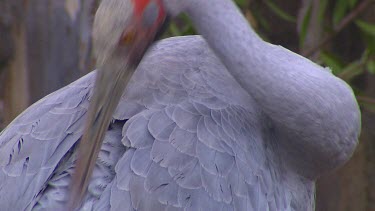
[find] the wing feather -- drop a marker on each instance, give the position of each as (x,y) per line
(184,142)
(141,162)
(200,153)
(32,146)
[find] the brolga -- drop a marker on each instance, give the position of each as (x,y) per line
(221,121)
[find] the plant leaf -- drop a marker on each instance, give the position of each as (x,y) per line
(279,12)
(305,27)
(366,27)
(241,3)
(322,10)
(371,66)
(174,30)
(339,11)
(351,70)
(262,21)
(352,3)
(366,102)
(332,61)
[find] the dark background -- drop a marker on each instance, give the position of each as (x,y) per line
(46,44)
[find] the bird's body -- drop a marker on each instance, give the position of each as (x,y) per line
(228,122)
(192,138)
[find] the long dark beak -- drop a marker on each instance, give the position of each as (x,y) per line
(111,81)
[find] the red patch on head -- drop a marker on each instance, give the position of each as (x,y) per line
(140,6)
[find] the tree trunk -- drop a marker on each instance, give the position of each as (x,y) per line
(47,46)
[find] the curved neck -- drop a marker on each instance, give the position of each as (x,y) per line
(213,16)
(301,98)
(229,35)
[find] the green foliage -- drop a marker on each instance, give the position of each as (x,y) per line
(261,20)
(332,61)
(371,66)
(304,26)
(368,31)
(181,26)
(323,4)
(351,70)
(279,12)
(366,27)
(352,3)
(339,11)
(242,3)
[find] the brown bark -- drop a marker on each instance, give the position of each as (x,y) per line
(48,46)
(16,92)
(13,69)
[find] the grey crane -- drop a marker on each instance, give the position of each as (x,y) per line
(222,121)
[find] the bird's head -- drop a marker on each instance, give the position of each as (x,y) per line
(122,32)
(126,28)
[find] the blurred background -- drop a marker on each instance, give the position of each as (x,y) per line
(46,44)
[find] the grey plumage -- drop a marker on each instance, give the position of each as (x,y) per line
(188,134)
(223,162)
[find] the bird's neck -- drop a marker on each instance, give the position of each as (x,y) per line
(230,36)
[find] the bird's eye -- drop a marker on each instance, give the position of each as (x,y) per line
(127,37)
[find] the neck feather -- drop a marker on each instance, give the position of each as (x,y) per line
(300,97)
(229,35)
